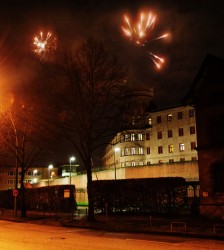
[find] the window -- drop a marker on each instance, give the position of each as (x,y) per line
(182,159)
(132,151)
(139,137)
(126,151)
(180,115)
(161,161)
(141,163)
(218,176)
(191,112)
(193,145)
(159,135)
(170,148)
(171,160)
(140,151)
(192,130)
(133,163)
(159,120)
(148,162)
(169,117)
(170,133)
(11,172)
(181,131)
(132,137)
(148,150)
(181,147)
(122,164)
(126,137)
(150,121)
(147,136)
(194,158)
(160,149)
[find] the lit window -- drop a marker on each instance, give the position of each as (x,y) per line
(180,115)
(126,137)
(169,117)
(132,151)
(150,121)
(181,131)
(181,147)
(161,161)
(170,148)
(192,130)
(139,137)
(126,151)
(160,149)
(140,163)
(170,133)
(133,163)
(140,151)
(132,137)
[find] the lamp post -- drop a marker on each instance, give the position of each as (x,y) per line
(49,170)
(116,149)
(70,162)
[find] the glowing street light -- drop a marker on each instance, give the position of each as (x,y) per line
(71,159)
(116,149)
(49,171)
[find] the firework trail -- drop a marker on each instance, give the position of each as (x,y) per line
(141,34)
(44,46)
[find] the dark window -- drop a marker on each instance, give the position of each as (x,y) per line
(160,149)
(160,135)
(180,115)
(192,130)
(218,177)
(170,133)
(148,150)
(181,131)
(171,160)
(182,159)
(147,136)
(193,145)
(159,119)
(191,113)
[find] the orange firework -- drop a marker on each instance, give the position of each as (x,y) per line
(44,46)
(140,32)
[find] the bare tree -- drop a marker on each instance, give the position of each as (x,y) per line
(22,137)
(91,84)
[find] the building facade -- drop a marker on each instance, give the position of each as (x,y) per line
(170,138)
(207,95)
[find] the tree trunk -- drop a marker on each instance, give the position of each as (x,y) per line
(23,196)
(91,216)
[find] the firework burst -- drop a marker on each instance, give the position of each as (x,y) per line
(44,46)
(140,34)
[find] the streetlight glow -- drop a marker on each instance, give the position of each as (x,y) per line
(49,170)
(72,158)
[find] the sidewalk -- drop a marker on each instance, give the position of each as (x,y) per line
(179,226)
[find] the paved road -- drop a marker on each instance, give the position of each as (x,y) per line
(24,236)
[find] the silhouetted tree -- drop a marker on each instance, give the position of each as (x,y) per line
(90,84)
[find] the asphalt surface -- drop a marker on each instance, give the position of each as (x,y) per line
(182,225)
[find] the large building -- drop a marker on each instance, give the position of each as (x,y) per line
(166,146)
(207,96)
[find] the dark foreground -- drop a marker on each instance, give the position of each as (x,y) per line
(184,226)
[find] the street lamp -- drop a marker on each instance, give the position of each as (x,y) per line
(116,149)
(49,170)
(70,162)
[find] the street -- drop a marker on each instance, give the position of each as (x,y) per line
(23,236)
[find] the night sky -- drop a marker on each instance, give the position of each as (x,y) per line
(195,27)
